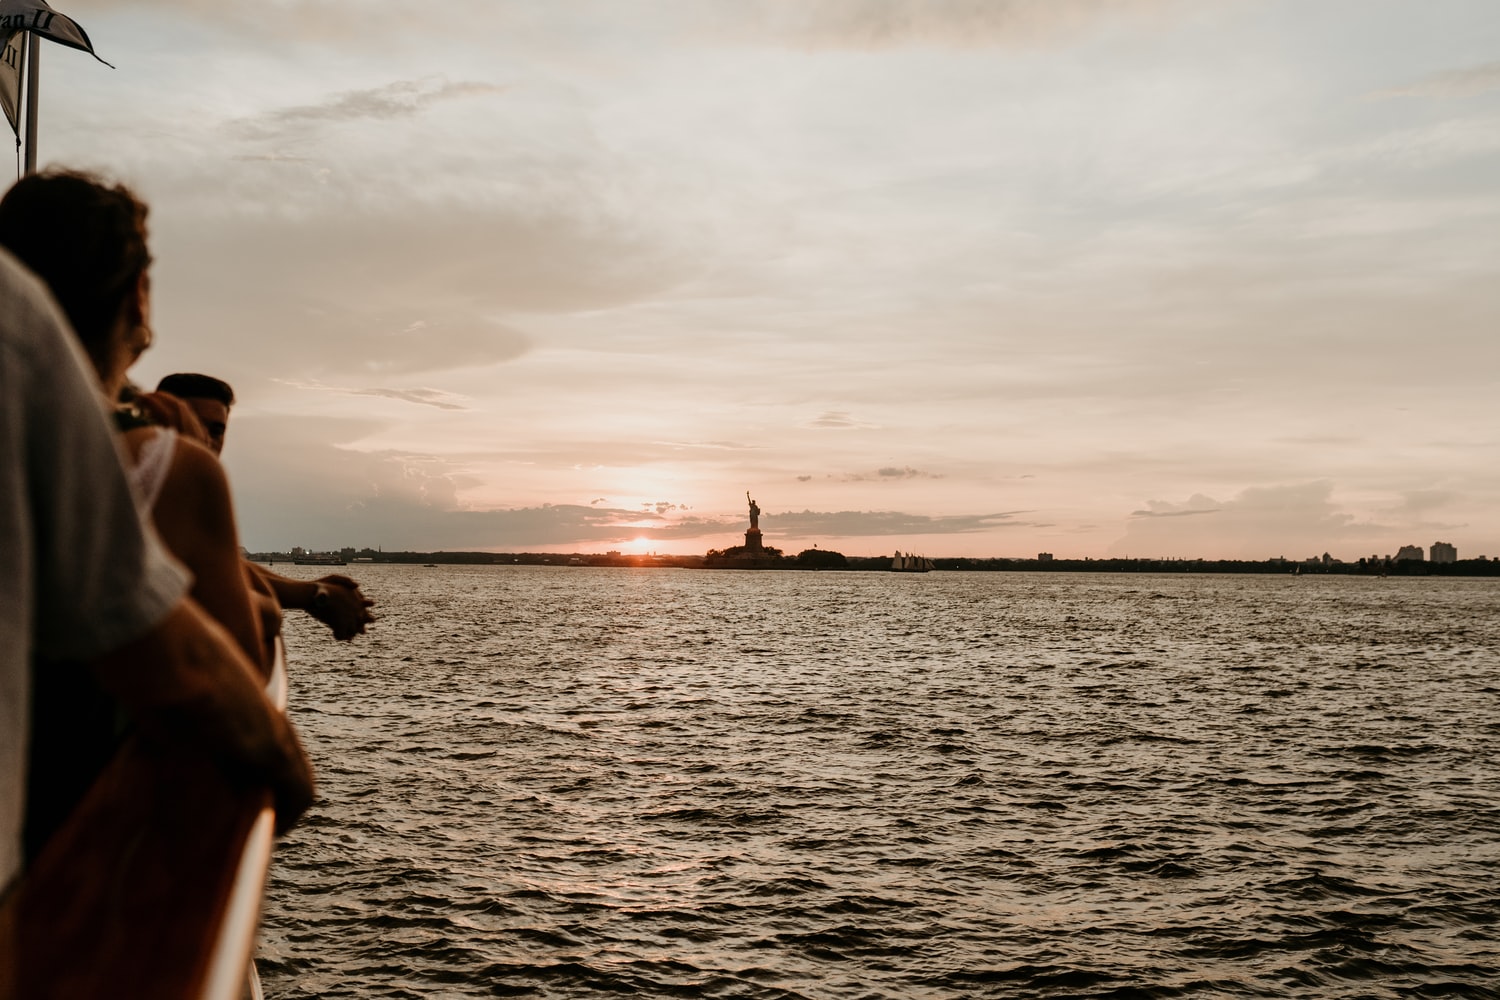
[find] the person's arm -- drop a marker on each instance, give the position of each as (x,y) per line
(334,600)
(267,609)
(187,682)
(165,410)
(194,516)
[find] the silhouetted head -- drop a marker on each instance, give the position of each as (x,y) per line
(87,240)
(209,397)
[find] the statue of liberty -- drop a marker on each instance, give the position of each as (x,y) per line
(754,513)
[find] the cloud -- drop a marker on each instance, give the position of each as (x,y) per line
(711,445)
(1197,504)
(859,524)
(839,420)
(407,500)
(1453,83)
(426,397)
(341,291)
(399,99)
(1259,523)
(882,24)
(1415,508)
(345,23)
(905,472)
(298,482)
(809,24)
(1420,501)
(297,485)
(1425,147)
(886,474)
(515,529)
(273,158)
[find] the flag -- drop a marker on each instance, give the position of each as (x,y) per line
(17,16)
(35,15)
(10,77)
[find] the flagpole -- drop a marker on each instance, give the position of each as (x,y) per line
(33,75)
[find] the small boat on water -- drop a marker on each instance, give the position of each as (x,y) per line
(910,563)
(318,561)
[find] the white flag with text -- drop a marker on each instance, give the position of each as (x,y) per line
(18,16)
(10,78)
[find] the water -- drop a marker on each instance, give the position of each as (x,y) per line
(568,782)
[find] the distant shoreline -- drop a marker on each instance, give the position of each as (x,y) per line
(1408,567)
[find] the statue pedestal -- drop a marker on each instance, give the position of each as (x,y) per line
(752,539)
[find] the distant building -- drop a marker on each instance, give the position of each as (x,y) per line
(1413,553)
(1044,557)
(1442,552)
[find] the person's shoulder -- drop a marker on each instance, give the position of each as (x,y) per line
(194,463)
(195,493)
(13,273)
(29,318)
(193,457)
(19,287)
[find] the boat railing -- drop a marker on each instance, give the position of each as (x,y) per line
(235,944)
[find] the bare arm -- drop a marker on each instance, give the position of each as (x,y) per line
(195,518)
(267,609)
(335,600)
(186,681)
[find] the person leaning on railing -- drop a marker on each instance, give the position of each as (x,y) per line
(86,585)
(187,399)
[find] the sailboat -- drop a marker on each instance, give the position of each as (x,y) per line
(910,563)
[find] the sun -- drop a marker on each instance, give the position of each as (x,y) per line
(641,544)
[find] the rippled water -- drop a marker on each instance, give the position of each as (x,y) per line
(564,782)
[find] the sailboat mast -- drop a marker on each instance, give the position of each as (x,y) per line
(33,54)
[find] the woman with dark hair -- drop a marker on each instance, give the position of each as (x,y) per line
(87,240)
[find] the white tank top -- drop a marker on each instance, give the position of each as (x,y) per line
(152,463)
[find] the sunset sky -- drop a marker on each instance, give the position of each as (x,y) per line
(968,277)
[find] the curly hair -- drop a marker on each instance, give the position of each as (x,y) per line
(85,238)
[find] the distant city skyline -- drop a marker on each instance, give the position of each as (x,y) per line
(1439,552)
(1094,277)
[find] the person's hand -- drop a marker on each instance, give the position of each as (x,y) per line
(340,605)
(166,410)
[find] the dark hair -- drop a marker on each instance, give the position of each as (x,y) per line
(190,385)
(85,239)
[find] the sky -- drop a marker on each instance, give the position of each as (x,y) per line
(1150,278)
